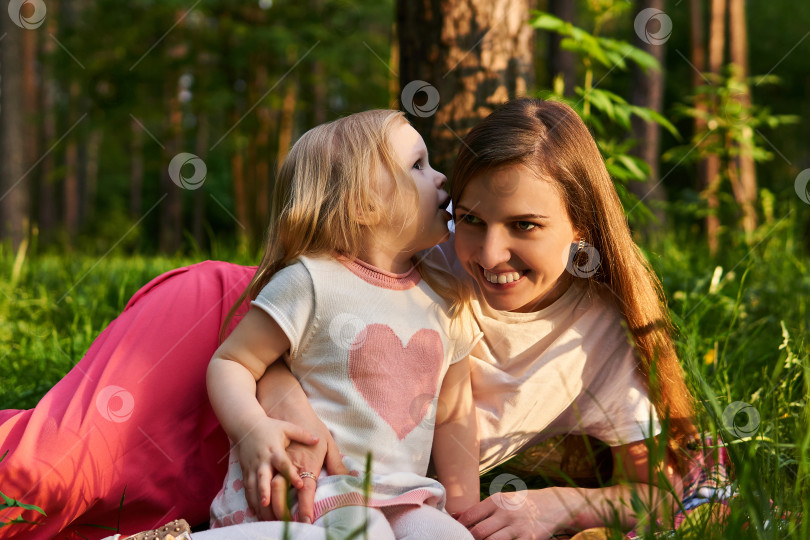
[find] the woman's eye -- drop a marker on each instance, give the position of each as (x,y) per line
(525,225)
(418,166)
(469,219)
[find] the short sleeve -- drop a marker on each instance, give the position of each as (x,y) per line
(289,298)
(616,407)
(464,334)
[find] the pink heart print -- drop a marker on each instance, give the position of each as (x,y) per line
(395,380)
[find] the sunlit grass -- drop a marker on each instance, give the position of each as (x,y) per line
(742,320)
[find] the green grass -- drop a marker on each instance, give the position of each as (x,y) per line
(743,319)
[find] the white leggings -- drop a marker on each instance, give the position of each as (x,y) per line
(398,523)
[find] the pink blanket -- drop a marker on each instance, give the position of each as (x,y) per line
(133,413)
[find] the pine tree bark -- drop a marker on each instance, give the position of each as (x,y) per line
(698,55)
(648,91)
(264,116)
(476,53)
(171,210)
(93,158)
(746,191)
(135,170)
(71,186)
(201,145)
(47,203)
(14,184)
(717,40)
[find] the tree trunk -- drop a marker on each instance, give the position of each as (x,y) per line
(14,190)
(744,162)
(136,170)
(560,61)
(476,53)
(287,114)
(717,40)
(31,91)
(698,54)
(648,91)
(264,116)
(47,203)
(201,147)
(91,174)
(240,198)
(72,196)
(171,212)
(393,64)
(319,92)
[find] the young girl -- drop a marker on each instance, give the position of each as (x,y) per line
(576,334)
(340,296)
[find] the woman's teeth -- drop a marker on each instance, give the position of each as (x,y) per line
(505,277)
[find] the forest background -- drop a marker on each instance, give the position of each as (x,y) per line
(142,136)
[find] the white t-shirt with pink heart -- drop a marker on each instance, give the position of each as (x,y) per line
(370,350)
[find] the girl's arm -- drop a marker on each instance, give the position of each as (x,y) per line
(237,364)
(524,514)
(282,398)
(455,442)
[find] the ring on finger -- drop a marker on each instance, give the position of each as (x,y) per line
(307,474)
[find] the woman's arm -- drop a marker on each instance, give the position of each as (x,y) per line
(455,442)
(541,513)
(241,359)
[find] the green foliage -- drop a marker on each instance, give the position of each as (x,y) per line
(742,317)
(731,124)
(8,502)
(607,113)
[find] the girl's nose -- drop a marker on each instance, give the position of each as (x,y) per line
(441,180)
(494,249)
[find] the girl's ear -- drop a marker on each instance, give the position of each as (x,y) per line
(367,217)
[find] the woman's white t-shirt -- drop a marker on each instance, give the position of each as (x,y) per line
(567,368)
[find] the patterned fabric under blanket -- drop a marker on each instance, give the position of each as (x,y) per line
(708,480)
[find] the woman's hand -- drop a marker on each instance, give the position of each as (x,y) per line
(525,515)
(262,454)
(309,458)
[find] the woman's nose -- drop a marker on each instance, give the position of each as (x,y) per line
(494,249)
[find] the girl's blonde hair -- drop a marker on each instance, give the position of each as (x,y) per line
(326,198)
(550,139)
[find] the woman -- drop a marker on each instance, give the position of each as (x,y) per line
(559,285)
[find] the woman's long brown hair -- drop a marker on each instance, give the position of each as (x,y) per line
(550,139)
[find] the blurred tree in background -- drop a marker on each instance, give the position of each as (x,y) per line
(98,98)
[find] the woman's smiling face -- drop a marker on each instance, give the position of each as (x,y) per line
(513,236)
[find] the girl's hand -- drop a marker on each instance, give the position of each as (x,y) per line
(312,458)
(262,454)
(525,515)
